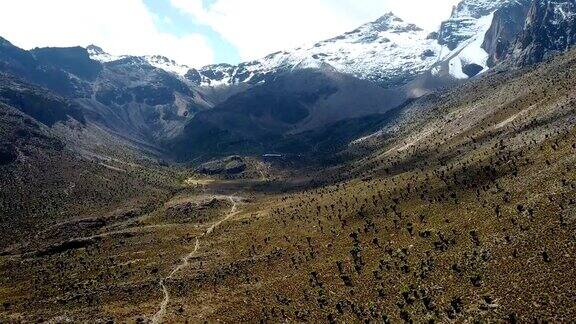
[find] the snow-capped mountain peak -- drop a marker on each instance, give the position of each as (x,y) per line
(391,22)
(376,31)
(98,54)
(387,50)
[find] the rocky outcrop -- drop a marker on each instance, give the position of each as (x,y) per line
(550,29)
(463,23)
(507,24)
(74,60)
(227,166)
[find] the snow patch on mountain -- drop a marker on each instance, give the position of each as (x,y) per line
(98,54)
(471,51)
(167,64)
(388,51)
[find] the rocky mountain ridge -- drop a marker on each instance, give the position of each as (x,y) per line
(98,54)
(127,97)
(154,100)
(387,51)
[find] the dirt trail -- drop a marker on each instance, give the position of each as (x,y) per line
(159,316)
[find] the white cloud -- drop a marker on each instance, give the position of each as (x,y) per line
(118,26)
(259,27)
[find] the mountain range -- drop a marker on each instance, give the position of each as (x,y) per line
(155,104)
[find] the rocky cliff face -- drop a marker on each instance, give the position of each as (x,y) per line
(526,32)
(507,24)
(550,29)
(464,21)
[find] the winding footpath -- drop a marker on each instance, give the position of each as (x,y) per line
(159,316)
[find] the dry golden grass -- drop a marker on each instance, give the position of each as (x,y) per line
(466,214)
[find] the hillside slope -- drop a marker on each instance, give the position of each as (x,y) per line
(465,212)
(44,182)
(461,210)
(283,114)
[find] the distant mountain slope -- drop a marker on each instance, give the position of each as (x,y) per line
(44,181)
(152,102)
(275,116)
(272,116)
(129,97)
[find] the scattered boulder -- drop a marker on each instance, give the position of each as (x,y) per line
(227,166)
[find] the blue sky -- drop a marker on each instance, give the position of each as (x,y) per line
(200,32)
(172,20)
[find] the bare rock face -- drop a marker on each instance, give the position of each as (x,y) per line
(463,21)
(550,29)
(526,32)
(227,166)
(507,24)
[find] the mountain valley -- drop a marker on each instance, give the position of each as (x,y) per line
(390,174)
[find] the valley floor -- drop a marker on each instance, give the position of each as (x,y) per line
(477,242)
